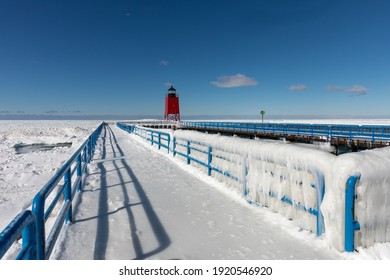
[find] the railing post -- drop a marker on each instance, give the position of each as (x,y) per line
(29,240)
(85,155)
(350,134)
(188,152)
(87,151)
(174,146)
(350,224)
(93,144)
(68,193)
(209,160)
(159,141)
(169,142)
(79,165)
(244,173)
(38,208)
(90,150)
(151,138)
(320,191)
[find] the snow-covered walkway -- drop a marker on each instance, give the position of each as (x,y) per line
(138,204)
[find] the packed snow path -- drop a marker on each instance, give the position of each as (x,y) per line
(138,204)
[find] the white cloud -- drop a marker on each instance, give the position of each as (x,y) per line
(297,87)
(238,80)
(164,62)
(168,84)
(355,90)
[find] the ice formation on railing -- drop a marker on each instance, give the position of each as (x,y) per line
(288,170)
(279,176)
(276,172)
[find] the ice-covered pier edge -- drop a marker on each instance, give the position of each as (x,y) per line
(291,172)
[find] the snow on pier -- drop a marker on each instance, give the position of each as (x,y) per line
(138,204)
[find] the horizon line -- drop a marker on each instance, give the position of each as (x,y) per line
(183,117)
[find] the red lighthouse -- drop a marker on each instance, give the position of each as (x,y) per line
(172,111)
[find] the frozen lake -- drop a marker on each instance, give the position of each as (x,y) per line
(24,173)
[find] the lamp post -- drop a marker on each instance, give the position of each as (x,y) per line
(262,116)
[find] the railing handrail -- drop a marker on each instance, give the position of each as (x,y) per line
(349,131)
(35,236)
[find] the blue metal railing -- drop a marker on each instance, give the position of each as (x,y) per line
(351,225)
(126,127)
(210,152)
(370,133)
(72,174)
(161,139)
(23,225)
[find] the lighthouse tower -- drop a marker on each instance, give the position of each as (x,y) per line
(172,111)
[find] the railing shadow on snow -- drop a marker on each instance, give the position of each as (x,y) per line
(117,158)
(155,223)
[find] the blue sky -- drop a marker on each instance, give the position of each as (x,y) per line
(304,57)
